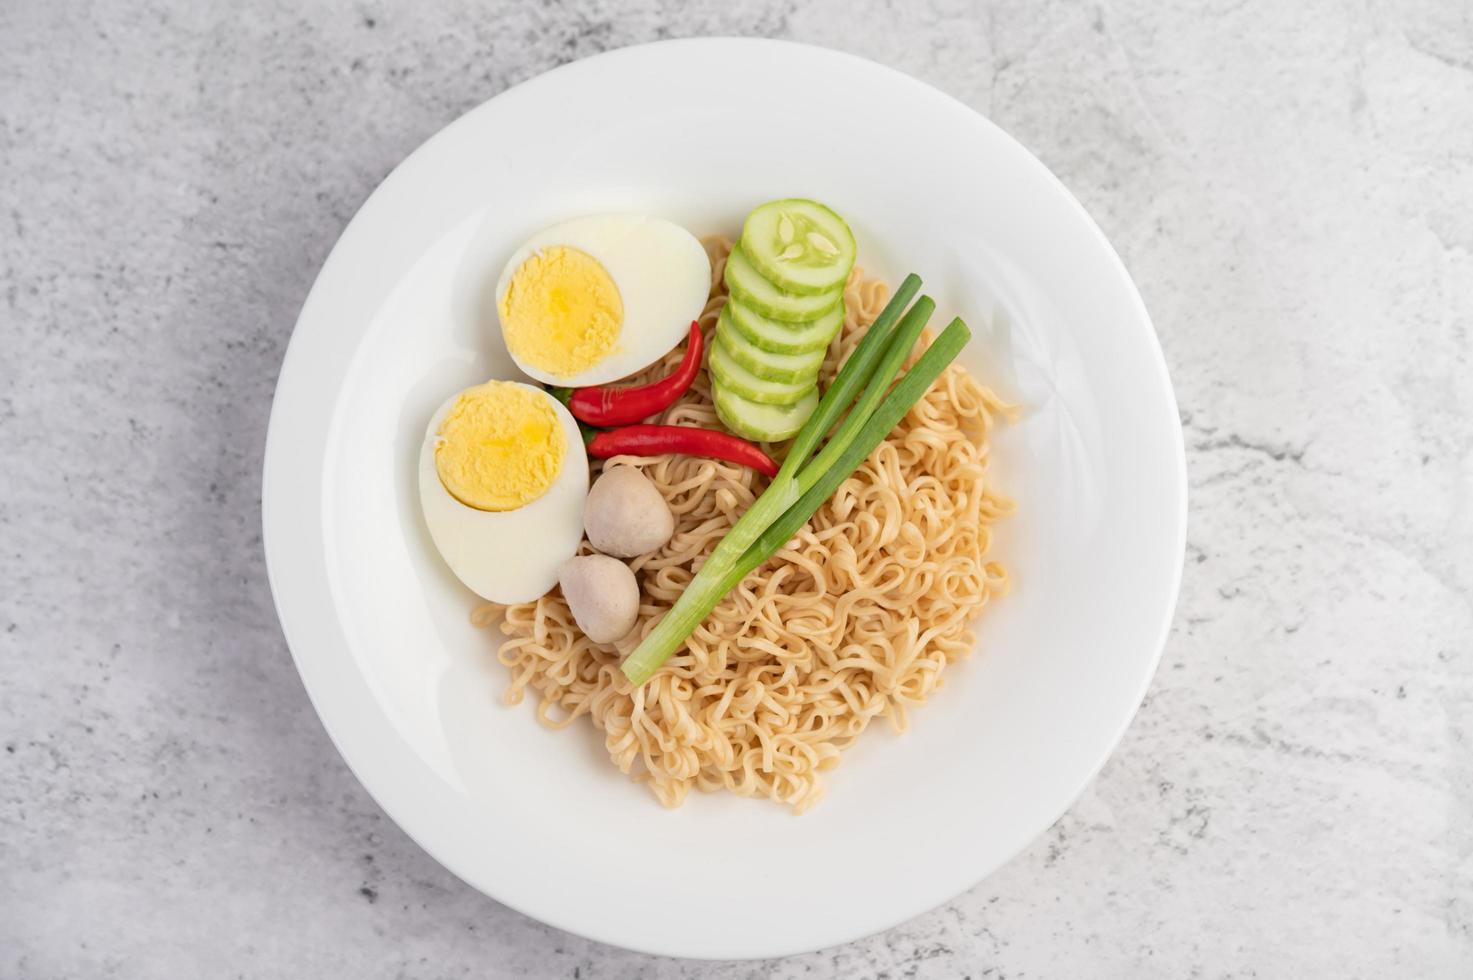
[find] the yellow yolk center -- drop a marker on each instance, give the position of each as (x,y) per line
(500,446)
(562,312)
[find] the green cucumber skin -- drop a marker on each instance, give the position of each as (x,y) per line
(760,228)
(769,366)
(783,337)
(748,285)
(736,379)
(762,423)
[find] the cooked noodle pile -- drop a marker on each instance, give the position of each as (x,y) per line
(856,618)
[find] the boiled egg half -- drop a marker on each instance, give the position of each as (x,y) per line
(503,476)
(596,299)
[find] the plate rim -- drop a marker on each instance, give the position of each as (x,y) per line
(274,500)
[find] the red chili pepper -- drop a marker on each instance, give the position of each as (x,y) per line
(621,406)
(656,440)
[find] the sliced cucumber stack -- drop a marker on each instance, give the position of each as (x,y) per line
(786,283)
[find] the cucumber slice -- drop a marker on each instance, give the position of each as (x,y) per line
(780,337)
(768,364)
(748,285)
(762,423)
(801,246)
(739,381)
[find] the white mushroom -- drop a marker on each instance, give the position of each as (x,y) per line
(602,594)
(625,514)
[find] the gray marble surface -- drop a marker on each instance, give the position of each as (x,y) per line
(1291,186)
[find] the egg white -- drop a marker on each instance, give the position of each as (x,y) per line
(508,556)
(663,275)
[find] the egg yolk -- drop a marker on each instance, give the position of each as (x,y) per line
(500,446)
(562,312)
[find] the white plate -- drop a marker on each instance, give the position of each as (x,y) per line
(699,131)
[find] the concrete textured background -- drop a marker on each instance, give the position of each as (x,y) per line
(1291,186)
